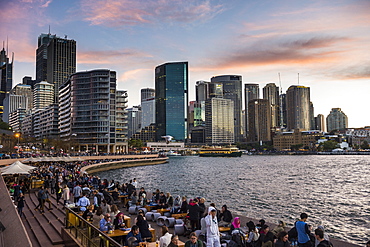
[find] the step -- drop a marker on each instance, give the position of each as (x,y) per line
(44,220)
(30,233)
(42,239)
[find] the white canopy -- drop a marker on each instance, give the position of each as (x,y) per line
(17,168)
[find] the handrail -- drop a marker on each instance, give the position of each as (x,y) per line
(86,233)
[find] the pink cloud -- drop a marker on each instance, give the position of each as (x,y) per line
(118,13)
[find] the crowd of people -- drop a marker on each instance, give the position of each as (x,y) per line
(100,198)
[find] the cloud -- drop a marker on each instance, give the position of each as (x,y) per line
(112,57)
(119,13)
(271,52)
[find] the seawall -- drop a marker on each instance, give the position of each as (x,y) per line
(123,164)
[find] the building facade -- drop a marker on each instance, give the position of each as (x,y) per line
(271,93)
(283,141)
(171,100)
(232,89)
(336,120)
(43,95)
(91,121)
(219,128)
(259,120)
(298,108)
(134,120)
(13,102)
(251,92)
(147,106)
(55,60)
(6,77)
(25,90)
(320,123)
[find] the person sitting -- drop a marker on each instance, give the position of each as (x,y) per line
(319,234)
(105,223)
(144,228)
(162,201)
(135,232)
(132,242)
(266,237)
(88,213)
(174,241)
(279,228)
(326,236)
(282,240)
(225,216)
(193,241)
(119,221)
(114,210)
(165,240)
(184,205)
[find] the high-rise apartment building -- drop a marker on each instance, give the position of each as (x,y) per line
(11,103)
(219,128)
(298,108)
(171,100)
(259,120)
(251,92)
(271,93)
(24,90)
(43,95)
(283,114)
(88,111)
(147,106)
(55,60)
(121,118)
(320,123)
(336,120)
(6,77)
(232,89)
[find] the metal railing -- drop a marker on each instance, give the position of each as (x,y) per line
(86,233)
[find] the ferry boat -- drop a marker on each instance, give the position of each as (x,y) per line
(220,152)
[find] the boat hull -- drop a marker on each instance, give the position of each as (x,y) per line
(221,154)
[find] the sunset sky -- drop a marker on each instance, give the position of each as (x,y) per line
(326,42)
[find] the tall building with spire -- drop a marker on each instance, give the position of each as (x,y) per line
(6,76)
(55,60)
(299,111)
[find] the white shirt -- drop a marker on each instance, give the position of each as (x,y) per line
(212,226)
(165,240)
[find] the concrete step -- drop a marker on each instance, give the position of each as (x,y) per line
(30,233)
(40,235)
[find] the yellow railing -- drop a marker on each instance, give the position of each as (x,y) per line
(86,233)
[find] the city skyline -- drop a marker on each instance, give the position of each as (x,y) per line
(326,43)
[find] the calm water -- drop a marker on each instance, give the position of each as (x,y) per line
(333,190)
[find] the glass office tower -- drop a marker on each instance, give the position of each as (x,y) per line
(171,100)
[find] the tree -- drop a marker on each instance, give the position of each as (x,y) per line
(135,143)
(296,147)
(364,145)
(329,145)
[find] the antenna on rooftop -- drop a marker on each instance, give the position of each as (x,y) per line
(49,30)
(7,45)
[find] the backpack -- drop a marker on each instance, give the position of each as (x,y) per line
(238,238)
(292,233)
(325,243)
(99,199)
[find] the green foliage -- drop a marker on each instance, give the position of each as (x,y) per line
(135,143)
(329,145)
(364,145)
(4,126)
(296,147)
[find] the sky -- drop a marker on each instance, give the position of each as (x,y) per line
(326,42)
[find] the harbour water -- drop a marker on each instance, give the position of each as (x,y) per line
(333,190)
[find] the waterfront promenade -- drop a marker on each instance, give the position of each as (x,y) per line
(54,219)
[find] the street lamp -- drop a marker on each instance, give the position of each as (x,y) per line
(17,135)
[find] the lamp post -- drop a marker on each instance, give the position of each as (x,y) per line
(17,135)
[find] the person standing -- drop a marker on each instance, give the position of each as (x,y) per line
(213,235)
(303,232)
(59,192)
(77,192)
(40,195)
(65,194)
(20,205)
(225,216)
(194,211)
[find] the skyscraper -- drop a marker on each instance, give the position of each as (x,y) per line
(298,108)
(6,76)
(232,89)
(171,100)
(55,60)
(219,121)
(251,92)
(336,120)
(320,123)
(134,120)
(147,107)
(43,95)
(271,93)
(259,120)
